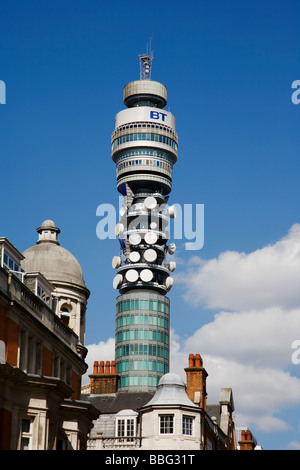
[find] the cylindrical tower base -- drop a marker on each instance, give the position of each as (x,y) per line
(142,339)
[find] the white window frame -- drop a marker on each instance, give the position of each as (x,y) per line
(164,427)
(188,424)
(129,427)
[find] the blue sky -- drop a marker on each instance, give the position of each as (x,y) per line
(228,67)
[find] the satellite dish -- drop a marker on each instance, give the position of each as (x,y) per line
(132,275)
(123,211)
(119,229)
(116,262)
(134,256)
(172,266)
(146,275)
(169,282)
(117,281)
(172,248)
(134,239)
(151,238)
(150,202)
(172,212)
(150,255)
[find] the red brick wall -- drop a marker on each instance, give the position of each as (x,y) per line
(2,324)
(106,383)
(9,333)
(76,386)
(5,429)
(47,362)
(12,342)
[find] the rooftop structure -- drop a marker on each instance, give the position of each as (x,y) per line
(61,268)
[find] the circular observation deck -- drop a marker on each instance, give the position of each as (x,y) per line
(145,92)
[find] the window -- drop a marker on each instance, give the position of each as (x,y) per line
(65,315)
(121,428)
(26,434)
(187,425)
(126,426)
(166,424)
(144,136)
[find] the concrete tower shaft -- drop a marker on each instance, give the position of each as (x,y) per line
(144,149)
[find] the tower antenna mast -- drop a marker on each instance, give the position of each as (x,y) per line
(145,64)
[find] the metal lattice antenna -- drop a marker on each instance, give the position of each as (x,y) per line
(145,64)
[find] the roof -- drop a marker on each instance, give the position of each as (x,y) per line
(56,263)
(214,411)
(171,391)
(113,403)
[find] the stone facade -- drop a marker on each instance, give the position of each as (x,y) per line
(42,360)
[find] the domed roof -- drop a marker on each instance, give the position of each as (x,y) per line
(171,390)
(52,260)
(127,412)
(171,379)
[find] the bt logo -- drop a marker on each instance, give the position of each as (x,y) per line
(157,115)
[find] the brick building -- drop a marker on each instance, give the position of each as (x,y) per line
(42,354)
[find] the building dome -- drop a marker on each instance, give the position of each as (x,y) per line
(171,390)
(171,379)
(56,263)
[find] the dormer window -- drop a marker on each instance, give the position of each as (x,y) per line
(126,425)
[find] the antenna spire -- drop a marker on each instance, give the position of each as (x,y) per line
(145,64)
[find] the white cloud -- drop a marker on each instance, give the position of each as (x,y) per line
(256,337)
(237,281)
(103,351)
(294,445)
(248,345)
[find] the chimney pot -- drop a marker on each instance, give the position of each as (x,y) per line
(107,367)
(198,361)
(101,367)
(191,360)
(95,371)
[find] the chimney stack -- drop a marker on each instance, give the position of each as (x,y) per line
(196,380)
(104,379)
(247,442)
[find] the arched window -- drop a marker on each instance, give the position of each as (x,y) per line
(65,314)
